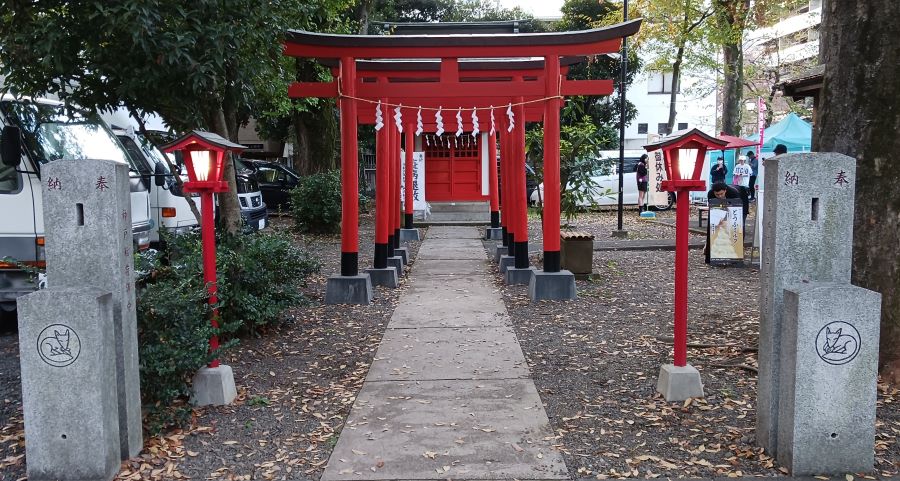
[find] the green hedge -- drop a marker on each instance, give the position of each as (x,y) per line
(259,275)
(316,202)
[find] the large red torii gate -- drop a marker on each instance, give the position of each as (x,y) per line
(475,71)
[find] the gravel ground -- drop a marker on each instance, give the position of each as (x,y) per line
(296,384)
(595,362)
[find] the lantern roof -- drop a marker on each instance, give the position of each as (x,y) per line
(681,137)
(207,139)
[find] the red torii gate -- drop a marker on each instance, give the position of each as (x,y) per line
(455,84)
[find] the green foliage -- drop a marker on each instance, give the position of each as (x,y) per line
(579,157)
(316,202)
(258,277)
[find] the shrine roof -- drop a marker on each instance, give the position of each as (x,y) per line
(580,42)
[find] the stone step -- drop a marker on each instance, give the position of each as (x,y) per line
(458,216)
(460,207)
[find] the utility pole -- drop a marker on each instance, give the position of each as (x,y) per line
(624,69)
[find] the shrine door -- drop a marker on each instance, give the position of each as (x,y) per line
(452,169)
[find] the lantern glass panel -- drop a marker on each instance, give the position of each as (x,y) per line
(202,164)
(687,158)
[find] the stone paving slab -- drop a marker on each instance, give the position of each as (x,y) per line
(434,354)
(453,232)
(451,253)
(446,430)
(467,311)
(475,266)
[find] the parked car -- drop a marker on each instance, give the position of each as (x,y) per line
(253,208)
(275,181)
(169,209)
(36,132)
(605,192)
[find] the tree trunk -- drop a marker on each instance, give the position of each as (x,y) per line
(732,87)
(731,20)
(229,207)
(316,134)
(676,82)
(364,7)
(860,117)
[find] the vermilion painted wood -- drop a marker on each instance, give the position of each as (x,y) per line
(492,172)
(437,51)
(349,170)
(551,159)
(408,187)
(474,89)
(519,175)
(382,144)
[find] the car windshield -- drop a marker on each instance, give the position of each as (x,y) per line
(51,133)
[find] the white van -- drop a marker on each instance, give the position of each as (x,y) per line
(168,208)
(34,133)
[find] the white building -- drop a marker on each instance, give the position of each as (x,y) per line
(651,95)
(793,40)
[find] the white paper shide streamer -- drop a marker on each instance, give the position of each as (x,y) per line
(493,125)
(419,127)
(475,129)
(379,119)
(512,118)
(398,118)
(439,120)
(459,122)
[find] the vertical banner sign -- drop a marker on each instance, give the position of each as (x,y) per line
(419,181)
(726,232)
(761,123)
(656,170)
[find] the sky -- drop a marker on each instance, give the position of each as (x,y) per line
(540,8)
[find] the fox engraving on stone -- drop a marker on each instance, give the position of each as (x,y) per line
(836,343)
(56,346)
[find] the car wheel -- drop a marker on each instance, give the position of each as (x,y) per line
(665,206)
(8,321)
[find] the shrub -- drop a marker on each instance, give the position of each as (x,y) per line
(258,277)
(316,202)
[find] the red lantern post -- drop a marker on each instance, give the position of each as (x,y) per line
(204,157)
(683,155)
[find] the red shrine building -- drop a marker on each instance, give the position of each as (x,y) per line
(462,100)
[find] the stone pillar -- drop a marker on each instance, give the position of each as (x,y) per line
(68,357)
(87,224)
(828,379)
(807,236)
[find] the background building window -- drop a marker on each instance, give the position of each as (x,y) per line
(682,125)
(660,83)
(662,128)
(642,128)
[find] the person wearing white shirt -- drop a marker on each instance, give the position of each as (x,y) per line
(742,173)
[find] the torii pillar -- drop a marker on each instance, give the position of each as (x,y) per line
(552,282)
(381,273)
(408,232)
(494,232)
(350,287)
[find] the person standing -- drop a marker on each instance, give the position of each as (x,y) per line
(642,178)
(719,171)
(753,162)
(742,173)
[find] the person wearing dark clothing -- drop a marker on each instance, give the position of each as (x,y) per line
(753,162)
(780,149)
(642,178)
(719,171)
(721,190)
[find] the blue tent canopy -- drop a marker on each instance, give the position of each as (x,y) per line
(792,131)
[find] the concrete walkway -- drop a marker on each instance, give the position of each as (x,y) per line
(449,395)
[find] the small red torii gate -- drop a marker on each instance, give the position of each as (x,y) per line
(492,74)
